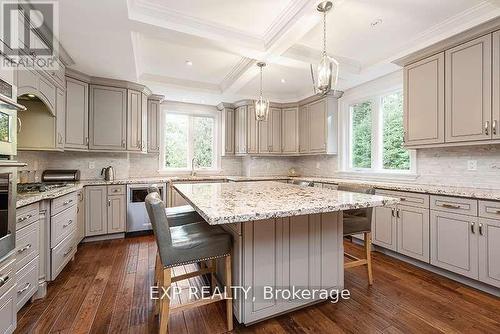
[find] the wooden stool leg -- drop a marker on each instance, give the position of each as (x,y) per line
(213,281)
(229,300)
(165,302)
(368,250)
(157,283)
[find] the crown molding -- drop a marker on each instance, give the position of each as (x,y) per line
(236,72)
(181,83)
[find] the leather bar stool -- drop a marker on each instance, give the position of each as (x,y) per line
(185,244)
(178,215)
(359,221)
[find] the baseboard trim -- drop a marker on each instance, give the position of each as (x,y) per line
(104,237)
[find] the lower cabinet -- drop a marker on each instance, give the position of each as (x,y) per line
(384,227)
(80,218)
(104,214)
(489,251)
(8,296)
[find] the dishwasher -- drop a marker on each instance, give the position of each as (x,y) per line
(137,216)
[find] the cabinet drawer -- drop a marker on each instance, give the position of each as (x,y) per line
(27,282)
(27,215)
(62,224)
(116,190)
(8,311)
(7,275)
(454,205)
(61,203)
(489,209)
(407,198)
(62,253)
(27,244)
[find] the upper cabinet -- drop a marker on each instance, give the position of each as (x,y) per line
(290,131)
(77,115)
(154,122)
(134,120)
(240,130)
(452,97)
(468,91)
(108,118)
(269,132)
(424,101)
(252,131)
(317,126)
(227,124)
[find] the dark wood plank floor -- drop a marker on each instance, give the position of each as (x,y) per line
(105,290)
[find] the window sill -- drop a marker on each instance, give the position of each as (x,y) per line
(378,176)
(177,172)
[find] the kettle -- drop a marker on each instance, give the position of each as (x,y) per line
(109,173)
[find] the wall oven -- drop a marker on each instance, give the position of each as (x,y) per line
(8,121)
(8,196)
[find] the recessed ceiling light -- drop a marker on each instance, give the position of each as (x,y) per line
(283,80)
(189,63)
(376,23)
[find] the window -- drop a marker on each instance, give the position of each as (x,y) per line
(189,139)
(375,135)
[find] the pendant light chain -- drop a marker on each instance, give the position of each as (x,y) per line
(324,33)
(261,81)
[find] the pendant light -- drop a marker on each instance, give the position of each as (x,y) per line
(328,68)
(262,104)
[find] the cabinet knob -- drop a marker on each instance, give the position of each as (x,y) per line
(495,127)
(123,143)
(487,128)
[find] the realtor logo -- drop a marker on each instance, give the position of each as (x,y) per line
(29,34)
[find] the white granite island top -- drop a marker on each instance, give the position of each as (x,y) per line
(222,203)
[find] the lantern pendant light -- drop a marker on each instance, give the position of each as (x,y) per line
(328,68)
(261,104)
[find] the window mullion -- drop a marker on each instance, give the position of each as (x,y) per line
(190,146)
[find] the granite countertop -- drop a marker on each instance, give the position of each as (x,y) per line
(28,198)
(222,203)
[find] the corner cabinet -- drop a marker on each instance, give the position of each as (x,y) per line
(290,131)
(154,125)
(77,115)
(252,131)
(424,101)
(108,118)
(318,126)
(227,126)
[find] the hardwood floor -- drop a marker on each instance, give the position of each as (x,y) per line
(106,290)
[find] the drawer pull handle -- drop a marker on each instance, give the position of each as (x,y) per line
(402,199)
(26,287)
(473,228)
(24,249)
(68,251)
(24,218)
(3,280)
(480,229)
(69,223)
(451,206)
(67,202)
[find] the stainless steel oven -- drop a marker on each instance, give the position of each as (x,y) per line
(8,195)
(8,121)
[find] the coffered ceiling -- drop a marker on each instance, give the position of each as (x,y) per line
(204,51)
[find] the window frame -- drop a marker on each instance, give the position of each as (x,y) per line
(377,150)
(190,147)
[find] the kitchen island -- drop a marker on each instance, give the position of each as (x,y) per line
(285,238)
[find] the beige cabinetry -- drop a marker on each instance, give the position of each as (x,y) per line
(77,115)
(134,120)
(303,129)
(227,126)
(489,251)
(290,131)
(384,226)
(269,132)
(318,126)
(154,124)
(468,91)
(240,130)
(108,118)
(424,101)
(105,210)
(80,218)
(60,118)
(496,86)
(252,131)
(8,296)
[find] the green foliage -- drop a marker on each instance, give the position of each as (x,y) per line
(176,141)
(361,135)
(395,156)
(203,128)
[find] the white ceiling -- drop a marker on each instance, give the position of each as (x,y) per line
(150,41)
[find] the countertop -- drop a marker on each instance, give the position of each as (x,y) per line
(222,203)
(28,198)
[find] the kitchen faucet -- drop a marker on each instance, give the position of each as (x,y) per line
(193,173)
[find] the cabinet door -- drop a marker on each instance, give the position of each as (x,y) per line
(496,85)
(454,243)
(303,130)
(424,101)
(252,131)
(117,206)
(274,130)
(177,199)
(228,119)
(413,232)
(489,251)
(264,140)
(96,214)
(60,118)
(317,126)
(468,91)
(134,120)
(48,93)
(77,114)
(153,126)
(108,118)
(290,130)
(240,130)
(144,123)
(80,217)
(384,227)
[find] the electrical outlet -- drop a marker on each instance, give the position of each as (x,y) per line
(472,165)
(91,165)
